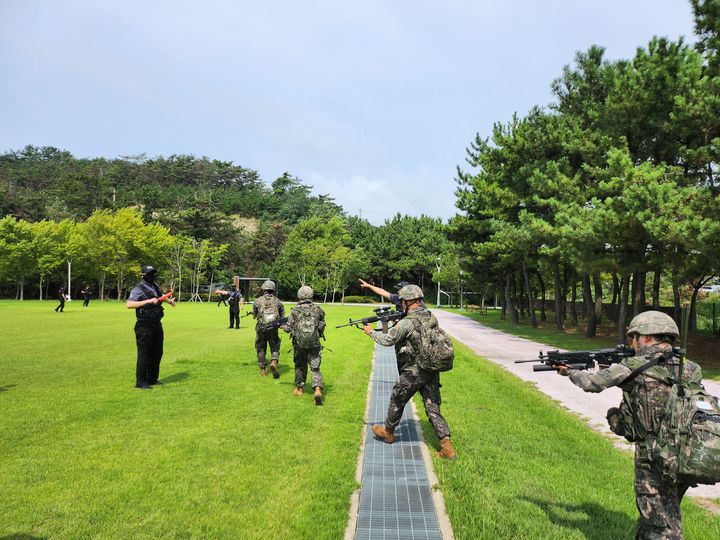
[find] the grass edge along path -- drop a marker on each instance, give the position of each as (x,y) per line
(529,469)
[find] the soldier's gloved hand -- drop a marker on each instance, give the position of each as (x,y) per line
(563,370)
(368,329)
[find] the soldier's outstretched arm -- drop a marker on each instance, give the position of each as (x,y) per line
(599,380)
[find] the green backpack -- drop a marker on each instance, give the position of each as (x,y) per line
(305,333)
(688,441)
(432,346)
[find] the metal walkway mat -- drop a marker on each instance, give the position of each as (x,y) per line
(395,496)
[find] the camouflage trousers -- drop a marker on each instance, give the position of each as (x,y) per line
(414,379)
(303,358)
(658,501)
(262,340)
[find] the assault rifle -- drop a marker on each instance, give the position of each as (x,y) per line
(382,314)
(580,359)
(247,314)
(272,325)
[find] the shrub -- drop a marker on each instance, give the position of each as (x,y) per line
(358,300)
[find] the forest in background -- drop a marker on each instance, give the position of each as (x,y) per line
(607,197)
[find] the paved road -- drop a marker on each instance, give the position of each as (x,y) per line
(504,348)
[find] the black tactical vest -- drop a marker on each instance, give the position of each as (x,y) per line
(150,312)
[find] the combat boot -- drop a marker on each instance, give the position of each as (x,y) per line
(274,369)
(446,449)
(385,433)
(263,372)
(299,391)
(318,396)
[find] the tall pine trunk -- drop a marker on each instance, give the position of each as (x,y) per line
(559,298)
(531,301)
(591,328)
(656,287)
(597,285)
(509,300)
(622,312)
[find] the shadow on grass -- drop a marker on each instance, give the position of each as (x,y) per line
(175,377)
(5,389)
(590,519)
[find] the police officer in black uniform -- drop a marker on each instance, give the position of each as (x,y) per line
(144,299)
(87,293)
(235,300)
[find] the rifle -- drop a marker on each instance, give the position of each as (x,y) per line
(247,314)
(382,314)
(580,359)
(272,325)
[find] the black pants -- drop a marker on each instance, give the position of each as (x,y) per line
(61,305)
(86,302)
(149,337)
(235,316)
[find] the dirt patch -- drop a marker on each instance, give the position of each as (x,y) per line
(708,504)
(248,224)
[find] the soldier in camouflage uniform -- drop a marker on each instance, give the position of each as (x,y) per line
(638,418)
(306,324)
(267,309)
(411,377)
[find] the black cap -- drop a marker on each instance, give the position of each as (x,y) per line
(400,284)
(147,269)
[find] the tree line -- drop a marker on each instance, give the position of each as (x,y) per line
(612,184)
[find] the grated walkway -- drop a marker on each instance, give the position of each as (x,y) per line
(396,499)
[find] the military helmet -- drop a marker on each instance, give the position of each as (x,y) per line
(410,292)
(653,323)
(268,285)
(305,293)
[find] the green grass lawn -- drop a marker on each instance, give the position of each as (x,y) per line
(218,452)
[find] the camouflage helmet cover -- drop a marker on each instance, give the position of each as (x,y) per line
(653,323)
(305,293)
(268,285)
(410,292)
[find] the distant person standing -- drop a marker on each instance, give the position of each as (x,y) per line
(61,299)
(149,336)
(86,293)
(236,301)
(268,311)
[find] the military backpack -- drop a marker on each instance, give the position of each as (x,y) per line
(688,441)
(268,310)
(432,346)
(305,332)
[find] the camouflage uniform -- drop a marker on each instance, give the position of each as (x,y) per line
(411,377)
(657,496)
(303,357)
(263,338)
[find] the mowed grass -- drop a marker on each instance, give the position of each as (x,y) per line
(217,452)
(528,469)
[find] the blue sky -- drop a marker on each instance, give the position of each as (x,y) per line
(373,102)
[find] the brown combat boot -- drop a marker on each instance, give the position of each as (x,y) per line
(274,369)
(299,391)
(446,449)
(318,396)
(263,372)
(385,433)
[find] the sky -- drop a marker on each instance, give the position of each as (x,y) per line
(372,102)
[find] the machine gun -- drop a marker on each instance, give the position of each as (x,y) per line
(382,314)
(580,359)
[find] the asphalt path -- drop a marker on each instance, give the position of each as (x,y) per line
(504,349)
